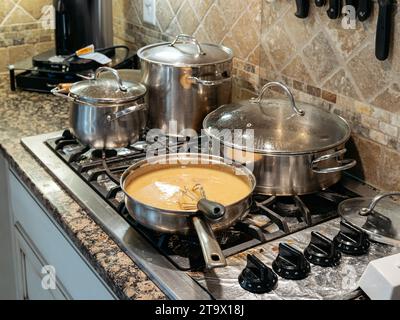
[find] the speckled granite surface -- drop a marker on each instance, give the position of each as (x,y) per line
(27,114)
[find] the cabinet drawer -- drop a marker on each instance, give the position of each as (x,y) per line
(74,272)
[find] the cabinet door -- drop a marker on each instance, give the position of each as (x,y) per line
(30,273)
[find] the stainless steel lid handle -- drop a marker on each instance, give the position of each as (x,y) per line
(374,202)
(115,73)
(190,39)
(288,93)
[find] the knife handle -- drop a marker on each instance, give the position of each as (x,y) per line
(303,7)
(320,3)
(383,29)
(364,9)
(334,9)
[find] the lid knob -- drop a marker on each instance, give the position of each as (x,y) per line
(351,239)
(257,277)
(291,263)
(187,38)
(321,251)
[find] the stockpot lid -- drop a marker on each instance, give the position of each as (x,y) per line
(184,51)
(107,90)
(277,126)
(379,217)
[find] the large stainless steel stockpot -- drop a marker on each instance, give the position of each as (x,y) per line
(185,222)
(185,81)
(293,150)
(106,113)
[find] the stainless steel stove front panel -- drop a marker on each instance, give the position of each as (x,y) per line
(174,283)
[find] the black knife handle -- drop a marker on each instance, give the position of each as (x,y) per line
(303,7)
(320,3)
(364,9)
(334,9)
(383,29)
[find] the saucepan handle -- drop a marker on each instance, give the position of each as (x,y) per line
(213,256)
(210,83)
(62,90)
(374,202)
(119,114)
(344,164)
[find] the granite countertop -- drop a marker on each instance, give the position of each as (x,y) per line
(28,114)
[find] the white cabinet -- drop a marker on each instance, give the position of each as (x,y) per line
(40,242)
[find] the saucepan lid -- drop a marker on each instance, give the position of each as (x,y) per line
(379,216)
(277,126)
(185,51)
(107,90)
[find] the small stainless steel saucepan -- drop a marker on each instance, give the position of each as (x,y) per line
(106,113)
(186,222)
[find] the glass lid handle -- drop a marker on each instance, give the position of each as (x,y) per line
(187,38)
(298,111)
(115,73)
(374,202)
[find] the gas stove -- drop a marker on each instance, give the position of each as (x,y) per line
(175,262)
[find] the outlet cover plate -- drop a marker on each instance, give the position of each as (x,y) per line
(149,12)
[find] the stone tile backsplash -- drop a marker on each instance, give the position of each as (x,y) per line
(22,33)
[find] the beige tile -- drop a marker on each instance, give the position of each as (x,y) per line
(214,24)
(341,83)
(200,7)
(35,8)
(389,99)
(297,70)
(232,9)
(4,60)
(175,4)
(164,14)
(187,19)
(5,8)
(320,58)
(18,16)
(18,53)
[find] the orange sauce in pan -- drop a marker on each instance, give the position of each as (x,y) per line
(162,188)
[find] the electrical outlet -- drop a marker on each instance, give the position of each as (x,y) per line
(149,11)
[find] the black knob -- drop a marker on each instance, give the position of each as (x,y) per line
(351,239)
(320,3)
(257,277)
(321,251)
(291,263)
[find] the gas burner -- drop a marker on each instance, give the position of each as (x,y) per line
(286,206)
(103,154)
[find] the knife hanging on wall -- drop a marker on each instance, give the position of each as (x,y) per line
(303,7)
(320,3)
(334,9)
(384,29)
(364,9)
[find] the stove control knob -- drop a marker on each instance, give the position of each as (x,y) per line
(321,251)
(257,277)
(291,263)
(351,239)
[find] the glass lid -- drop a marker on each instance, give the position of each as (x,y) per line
(379,216)
(277,126)
(185,51)
(107,90)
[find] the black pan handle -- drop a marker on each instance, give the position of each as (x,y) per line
(353,3)
(212,210)
(334,9)
(303,6)
(364,9)
(383,29)
(320,3)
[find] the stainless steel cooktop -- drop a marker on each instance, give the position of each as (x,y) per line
(92,180)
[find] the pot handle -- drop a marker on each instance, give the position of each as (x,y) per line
(115,74)
(190,39)
(287,91)
(119,114)
(344,164)
(210,83)
(213,256)
(62,90)
(375,200)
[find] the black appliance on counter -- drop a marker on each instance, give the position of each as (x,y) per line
(78,23)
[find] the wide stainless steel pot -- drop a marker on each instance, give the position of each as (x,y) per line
(292,151)
(106,113)
(186,222)
(185,80)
